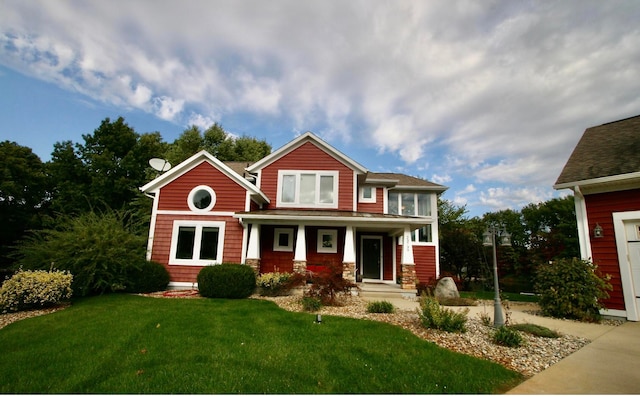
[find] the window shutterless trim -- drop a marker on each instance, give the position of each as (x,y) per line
(198,225)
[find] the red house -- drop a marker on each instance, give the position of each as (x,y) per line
(302,207)
(604,173)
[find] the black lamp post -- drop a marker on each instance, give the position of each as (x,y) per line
(489,240)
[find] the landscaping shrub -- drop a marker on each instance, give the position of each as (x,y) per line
(380,307)
(571,288)
(227,280)
(536,330)
(505,336)
(34,289)
(311,304)
(457,301)
(148,277)
(274,284)
(99,249)
(328,285)
(432,315)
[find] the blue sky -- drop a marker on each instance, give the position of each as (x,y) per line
(486,97)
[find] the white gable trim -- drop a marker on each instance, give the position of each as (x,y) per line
(299,141)
(194,161)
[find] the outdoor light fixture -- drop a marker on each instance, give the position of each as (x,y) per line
(318,319)
(597,231)
(489,240)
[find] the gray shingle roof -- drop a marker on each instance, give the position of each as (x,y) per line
(405,180)
(605,150)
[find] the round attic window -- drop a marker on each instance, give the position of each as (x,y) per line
(201,198)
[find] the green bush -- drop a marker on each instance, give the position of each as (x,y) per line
(505,336)
(571,288)
(380,307)
(148,277)
(311,304)
(432,315)
(275,284)
(99,249)
(227,280)
(536,330)
(34,289)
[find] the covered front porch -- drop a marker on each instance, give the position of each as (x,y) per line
(367,246)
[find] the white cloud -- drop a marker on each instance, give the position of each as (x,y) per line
(504,198)
(487,92)
(440,179)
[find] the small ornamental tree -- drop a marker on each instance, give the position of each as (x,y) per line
(328,285)
(572,288)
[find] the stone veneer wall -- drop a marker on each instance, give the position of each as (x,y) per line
(300,266)
(349,271)
(255,265)
(408,276)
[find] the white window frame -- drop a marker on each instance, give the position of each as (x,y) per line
(415,203)
(363,199)
(193,192)
(276,239)
(414,237)
(297,174)
(199,225)
(334,239)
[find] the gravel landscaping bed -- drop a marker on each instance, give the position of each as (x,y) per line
(535,355)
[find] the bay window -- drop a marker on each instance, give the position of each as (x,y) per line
(409,204)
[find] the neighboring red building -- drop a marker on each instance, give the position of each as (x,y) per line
(604,174)
(303,207)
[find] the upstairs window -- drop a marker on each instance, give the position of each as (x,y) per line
(367,194)
(306,189)
(409,204)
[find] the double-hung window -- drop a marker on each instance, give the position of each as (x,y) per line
(308,189)
(196,243)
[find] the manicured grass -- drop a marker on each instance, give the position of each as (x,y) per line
(488,295)
(132,344)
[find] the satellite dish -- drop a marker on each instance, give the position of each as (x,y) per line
(161,165)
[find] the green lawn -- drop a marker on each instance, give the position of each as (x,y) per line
(132,344)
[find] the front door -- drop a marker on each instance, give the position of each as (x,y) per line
(633,237)
(371,257)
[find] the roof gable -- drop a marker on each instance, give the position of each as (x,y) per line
(298,142)
(607,150)
(193,162)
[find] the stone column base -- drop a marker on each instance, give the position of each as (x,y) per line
(349,271)
(408,276)
(254,264)
(300,266)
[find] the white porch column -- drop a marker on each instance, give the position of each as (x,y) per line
(407,264)
(301,245)
(349,246)
(253,249)
(349,255)
(407,247)
(300,255)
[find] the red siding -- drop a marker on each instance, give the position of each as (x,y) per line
(309,157)
(377,207)
(230,196)
(605,255)
(270,260)
(162,244)
(424,257)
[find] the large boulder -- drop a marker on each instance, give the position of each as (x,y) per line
(446,288)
